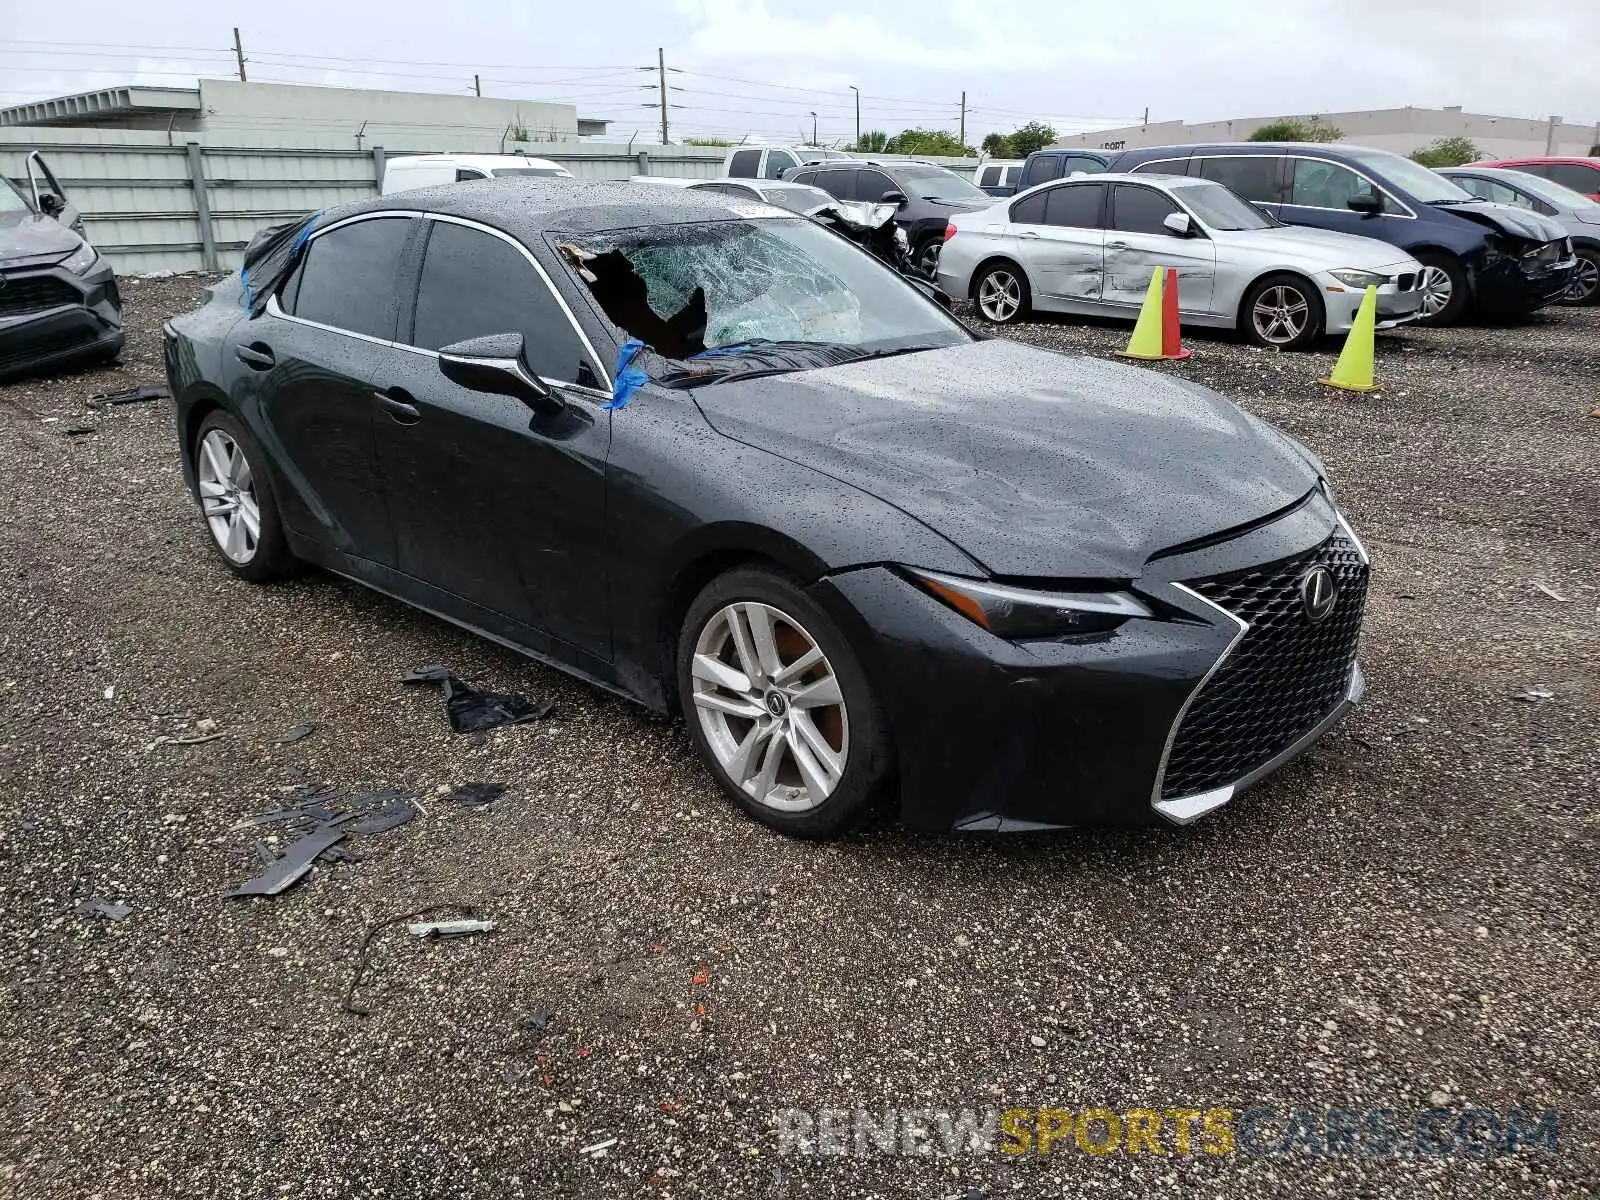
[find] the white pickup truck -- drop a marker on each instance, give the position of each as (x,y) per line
(770,162)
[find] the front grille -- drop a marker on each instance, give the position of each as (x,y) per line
(1283,677)
(21,294)
(1404,283)
(42,347)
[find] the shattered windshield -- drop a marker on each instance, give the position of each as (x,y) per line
(747,287)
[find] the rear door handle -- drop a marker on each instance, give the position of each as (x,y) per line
(1117,245)
(403,412)
(257,355)
(1028,234)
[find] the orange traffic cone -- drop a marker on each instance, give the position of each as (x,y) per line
(1156,335)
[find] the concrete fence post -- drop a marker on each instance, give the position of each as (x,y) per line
(377,168)
(644,162)
(202,207)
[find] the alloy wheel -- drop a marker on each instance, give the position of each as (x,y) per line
(1585,281)
(1280,314)
(228,496)
(1436,290)
(928,258)
(770,706)
(999,296)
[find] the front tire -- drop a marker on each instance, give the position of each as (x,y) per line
(779,707)
(1445,294)
(237,502)
(1001,295)
(1585,288)
(1283,312)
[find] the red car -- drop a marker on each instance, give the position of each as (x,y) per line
(1579,174)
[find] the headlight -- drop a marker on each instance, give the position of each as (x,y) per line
(1359,279)
(1021,614)
(81,259)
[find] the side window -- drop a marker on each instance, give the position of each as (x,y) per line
(465,173)
(1137,209)
(871,185)
(348,277)
(807,177)
(744,163)
(1012,175)
(1317,184)
(1082,162)
(1579,179)
(1045,169)
(1075,206)
(474,284)
(989,177)
(1030,209)
(1494,191)
(1254,178)
(838,184)
(778,161)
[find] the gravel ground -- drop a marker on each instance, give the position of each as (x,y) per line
(1404,919)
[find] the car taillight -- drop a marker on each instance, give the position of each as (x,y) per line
(949,232)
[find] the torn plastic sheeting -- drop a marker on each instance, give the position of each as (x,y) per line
(629,378)
(316,829)
(269,258)
(470,710)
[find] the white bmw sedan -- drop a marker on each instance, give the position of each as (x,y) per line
(1087,245)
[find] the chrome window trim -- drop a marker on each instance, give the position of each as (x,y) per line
(276,310)
(1183,809)
(1407,215)
(583,338)
(1161,162)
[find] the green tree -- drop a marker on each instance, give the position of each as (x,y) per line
(934,142)
(1446,152)
(1292,129)
(1035,135)
(871,142)
(998,145)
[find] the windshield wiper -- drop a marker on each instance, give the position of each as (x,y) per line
(1446,203)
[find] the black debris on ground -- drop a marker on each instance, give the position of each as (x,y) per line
(472,711)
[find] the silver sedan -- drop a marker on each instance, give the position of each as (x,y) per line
(1088,245)
(1573,211)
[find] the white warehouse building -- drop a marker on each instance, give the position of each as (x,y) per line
(1401,130)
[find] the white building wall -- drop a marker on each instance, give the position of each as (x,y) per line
(1401,130)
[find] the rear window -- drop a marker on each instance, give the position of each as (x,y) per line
(348,277)
(744,163)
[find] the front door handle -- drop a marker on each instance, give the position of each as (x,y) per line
(1028,233)
(403,412)
(257,356)
(1117,246)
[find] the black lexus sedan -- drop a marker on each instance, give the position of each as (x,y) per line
(708,455)
(58,297)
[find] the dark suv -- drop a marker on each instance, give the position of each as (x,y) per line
(58,297)
(928,197)
(1485,257)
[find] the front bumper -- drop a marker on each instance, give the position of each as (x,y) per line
(49,317)
(994,735)
(1512,286)
(1399,300)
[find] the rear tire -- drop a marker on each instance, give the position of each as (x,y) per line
(1283,311)
(779,707)
(1000,294)
(1585,287)
(237,503)
(1445,292)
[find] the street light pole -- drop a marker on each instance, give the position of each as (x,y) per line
(813,129)
(857,91)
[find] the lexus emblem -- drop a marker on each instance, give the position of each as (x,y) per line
(1319,592)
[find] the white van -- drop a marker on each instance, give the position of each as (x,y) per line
(428,170)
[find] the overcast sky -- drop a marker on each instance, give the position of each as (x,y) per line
(763,66)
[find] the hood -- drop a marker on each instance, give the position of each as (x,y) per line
(31,236)
(1519,222)
(1320,247)
(1036,464)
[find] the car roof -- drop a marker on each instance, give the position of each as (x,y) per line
(1577,159)
(486,162)
(529,206)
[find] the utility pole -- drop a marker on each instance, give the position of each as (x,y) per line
(477,88)
(1146,120)
(238,52)
(813,129)
(661,65)
(857,91)
(963,138)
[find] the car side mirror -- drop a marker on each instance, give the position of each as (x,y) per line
(51,205)
(495,364)
(1177,224)
(1366,204)
(893,197)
